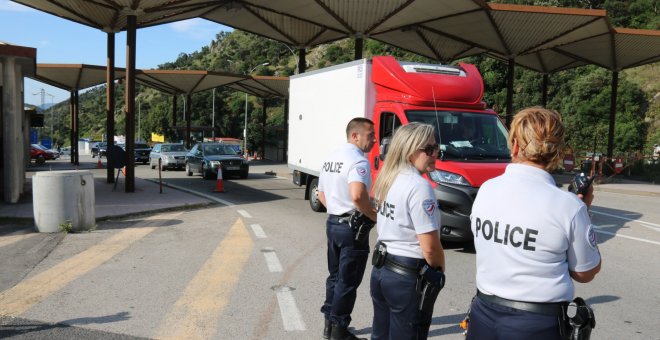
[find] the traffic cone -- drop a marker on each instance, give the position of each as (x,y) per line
(99,165)
(123,171)
(219,185)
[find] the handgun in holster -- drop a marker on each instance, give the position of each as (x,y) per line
(581,319)
(429,284)
(378,257)
(360,225)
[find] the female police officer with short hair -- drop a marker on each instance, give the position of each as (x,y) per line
(532,239)
(408,234)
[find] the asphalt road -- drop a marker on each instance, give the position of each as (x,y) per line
(254,268)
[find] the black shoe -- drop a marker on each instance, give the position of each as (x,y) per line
(327,329)
(342,333)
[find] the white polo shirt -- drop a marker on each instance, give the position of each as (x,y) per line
(528,234)
(345,165)
(409,209)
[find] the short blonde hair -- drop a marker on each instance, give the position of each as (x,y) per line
(540,136)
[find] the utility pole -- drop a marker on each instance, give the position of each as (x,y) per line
(43,94)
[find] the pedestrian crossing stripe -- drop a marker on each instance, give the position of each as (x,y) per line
(195,314)
(29,292)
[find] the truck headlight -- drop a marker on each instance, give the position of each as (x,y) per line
(445,177)
(214,164)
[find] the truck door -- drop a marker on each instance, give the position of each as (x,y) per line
(387,123)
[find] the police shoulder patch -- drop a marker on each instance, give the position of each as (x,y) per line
(591,237)
(429,206)
(362,171)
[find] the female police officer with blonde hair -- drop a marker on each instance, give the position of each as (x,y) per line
(408,238)
(532,239)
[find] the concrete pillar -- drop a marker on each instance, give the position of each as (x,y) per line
(12,123)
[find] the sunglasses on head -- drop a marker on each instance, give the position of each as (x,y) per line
(430,149)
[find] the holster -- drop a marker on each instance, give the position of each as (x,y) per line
(378,257)
(578,321)
(360,225)
(429,284)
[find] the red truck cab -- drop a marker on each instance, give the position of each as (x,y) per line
(472,138)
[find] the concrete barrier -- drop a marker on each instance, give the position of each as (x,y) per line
(63,198)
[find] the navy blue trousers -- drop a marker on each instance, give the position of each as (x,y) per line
(489,321)
(347,260)
(396,304)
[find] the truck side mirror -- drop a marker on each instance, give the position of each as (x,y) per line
(384,145)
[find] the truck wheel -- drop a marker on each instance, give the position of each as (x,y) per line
(188,171)
(40,160)
(314,201)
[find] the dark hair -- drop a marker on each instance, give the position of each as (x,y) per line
(356,124)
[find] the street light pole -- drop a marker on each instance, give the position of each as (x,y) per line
(213,117)
(246,112)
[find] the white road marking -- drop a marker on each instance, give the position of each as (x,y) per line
(290,315)
(272,261)
(649,225)
(258,231)
(598,230)
(244,213)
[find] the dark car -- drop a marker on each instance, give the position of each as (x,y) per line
(205,158)
(142,152)
(99,149)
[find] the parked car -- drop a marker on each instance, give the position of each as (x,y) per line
(99,149)
(171,156)
(206,158)
(142,151)
(41,154)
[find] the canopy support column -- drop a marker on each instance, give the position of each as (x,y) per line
(110,103)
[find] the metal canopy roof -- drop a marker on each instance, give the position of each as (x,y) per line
(263,86)
(504,31)
(185,81)
(305,23)
(110,16)
(74,77)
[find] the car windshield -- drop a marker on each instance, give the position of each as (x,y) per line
(172,148)
(40,147)
(218,149)
(466,136)
(102,144)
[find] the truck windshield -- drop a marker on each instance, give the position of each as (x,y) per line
(466,136)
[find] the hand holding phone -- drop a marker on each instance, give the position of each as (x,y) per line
(580,184)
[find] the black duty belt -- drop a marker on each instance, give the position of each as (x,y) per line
(550,308)
(400,268)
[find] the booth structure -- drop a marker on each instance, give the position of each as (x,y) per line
(16,62)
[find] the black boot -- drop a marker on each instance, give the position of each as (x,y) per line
(342,333)
(327,329)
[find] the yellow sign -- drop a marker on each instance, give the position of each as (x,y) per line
(157,138)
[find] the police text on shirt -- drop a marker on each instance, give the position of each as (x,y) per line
(506,235)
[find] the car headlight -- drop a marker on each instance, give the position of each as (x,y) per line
(169,158)
(445,177)
(214,164)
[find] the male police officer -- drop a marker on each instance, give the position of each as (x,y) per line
(344,185)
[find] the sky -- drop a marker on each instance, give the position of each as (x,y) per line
(60,41)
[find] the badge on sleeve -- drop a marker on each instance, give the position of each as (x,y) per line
(429,206)
(362,171)
(591,237)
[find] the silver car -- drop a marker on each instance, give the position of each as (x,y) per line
(171,156)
